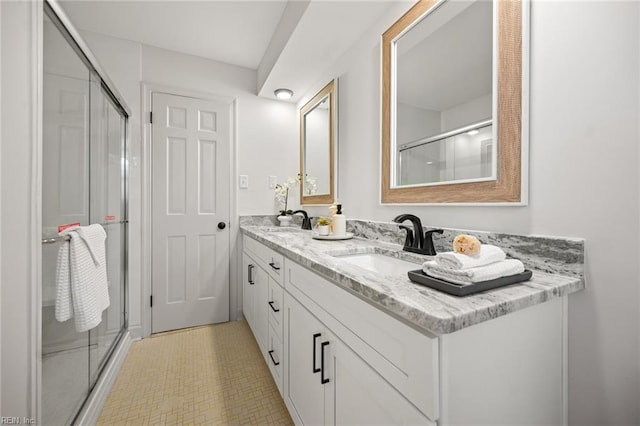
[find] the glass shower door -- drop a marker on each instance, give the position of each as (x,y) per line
(83,183)
(65,199)
(107,207)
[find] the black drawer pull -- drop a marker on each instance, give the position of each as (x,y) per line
(274,309)
(323,380)
(273,265)
(250,273)
(315,338)
(273,360)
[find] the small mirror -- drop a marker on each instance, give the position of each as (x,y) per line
(317,145)
(452,102)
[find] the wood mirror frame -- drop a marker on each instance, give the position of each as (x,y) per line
(508,187)
(328,90)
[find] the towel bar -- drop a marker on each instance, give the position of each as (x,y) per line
(67,237)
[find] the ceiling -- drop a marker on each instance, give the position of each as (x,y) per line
(289,43)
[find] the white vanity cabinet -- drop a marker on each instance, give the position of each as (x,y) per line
(275,301)
(255,288)
(307,339)
(339,360)
(327,383)
(347,362)
(262,302)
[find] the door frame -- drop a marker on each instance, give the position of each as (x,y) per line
(147,89)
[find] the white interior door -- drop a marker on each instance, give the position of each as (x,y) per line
(190,271)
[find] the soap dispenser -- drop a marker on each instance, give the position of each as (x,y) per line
(339,222)
(333,208)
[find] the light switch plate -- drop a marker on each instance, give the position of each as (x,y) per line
(244,181)
(272,181)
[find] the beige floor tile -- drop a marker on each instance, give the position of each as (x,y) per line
(211,375)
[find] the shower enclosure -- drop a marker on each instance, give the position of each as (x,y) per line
(84,175)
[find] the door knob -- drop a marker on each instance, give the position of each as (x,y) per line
(222,225)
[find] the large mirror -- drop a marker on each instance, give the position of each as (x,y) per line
(317,147)
(452,104)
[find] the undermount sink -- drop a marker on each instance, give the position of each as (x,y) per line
(380,263)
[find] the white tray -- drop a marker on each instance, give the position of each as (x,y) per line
(346,236)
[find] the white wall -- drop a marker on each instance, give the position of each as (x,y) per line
(19,245)
(267,146)
(1,286)
(584,117)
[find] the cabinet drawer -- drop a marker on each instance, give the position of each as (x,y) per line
(275,358)
(276,307)
(273,261)
(406,358)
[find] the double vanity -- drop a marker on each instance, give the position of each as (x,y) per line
(350,340)
(348,337)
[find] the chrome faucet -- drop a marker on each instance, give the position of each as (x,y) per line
(306,220)
(417,241)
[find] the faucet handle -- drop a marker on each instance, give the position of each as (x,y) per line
(428,241)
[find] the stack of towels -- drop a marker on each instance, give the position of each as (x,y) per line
(487,262)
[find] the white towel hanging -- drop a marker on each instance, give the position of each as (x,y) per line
(82,289)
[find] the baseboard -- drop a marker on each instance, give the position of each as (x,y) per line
(136,332)
(239,316)
(94,404)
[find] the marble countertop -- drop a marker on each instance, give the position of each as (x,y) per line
(425,308)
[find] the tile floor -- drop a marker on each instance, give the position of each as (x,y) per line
(212,375)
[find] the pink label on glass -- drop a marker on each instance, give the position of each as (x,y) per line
(67,225)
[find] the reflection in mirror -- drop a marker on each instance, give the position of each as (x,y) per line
(317,140)
(463,154)
(452,103)
(444,96)
(316,152)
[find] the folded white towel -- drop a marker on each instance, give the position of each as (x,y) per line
(488,254)
(503,268)
(81,277)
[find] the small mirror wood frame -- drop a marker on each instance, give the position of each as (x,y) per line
(329,90)
(507,188)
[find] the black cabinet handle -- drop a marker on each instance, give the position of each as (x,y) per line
(315,338)
(273,360)
(273,265)
(250,273)
(323,380)
(274,309)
